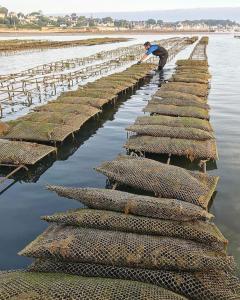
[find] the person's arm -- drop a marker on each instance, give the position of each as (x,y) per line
(143,58)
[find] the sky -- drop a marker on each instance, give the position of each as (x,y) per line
(93,6)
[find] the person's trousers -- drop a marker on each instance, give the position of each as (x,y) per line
(162,61)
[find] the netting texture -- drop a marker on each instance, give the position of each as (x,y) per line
(178,102)
(197,89)
(192,149)
(211,285)
(178,111)
(39,131)
(174,122)
(199,231)
(118,86)
(203,71)
(182,77)
(95,102)
(195,73)
(113,200)
(173,132)
(123,249)
(162,179)
(57,286)
(91,93)
(75,121)
(196,63)
(23,152)
(69,108)
(178,95)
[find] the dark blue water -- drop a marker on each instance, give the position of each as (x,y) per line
(22,204)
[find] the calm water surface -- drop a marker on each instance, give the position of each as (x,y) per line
(24,202)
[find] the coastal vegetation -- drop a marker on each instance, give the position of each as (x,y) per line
(38,21)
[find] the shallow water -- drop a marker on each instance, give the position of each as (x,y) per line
(23,203)
(23,60)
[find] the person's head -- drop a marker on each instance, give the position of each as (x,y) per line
(147,45)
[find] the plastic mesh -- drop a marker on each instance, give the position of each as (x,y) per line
(118,86)
(193,69)
(194,73)
(162,179)
(192,149)
(158,208)
(178,102)
(117,248)
(75,121)
(173,132)
(209,285)
(91,93)
(124,76)
(36,286)
(179,111)
(198,231)
(22,152)
(189,79)
(195,63)
(38,131)
(177,95)
(197,89)
(128,80)
(174,122)
(69,108)
(108,90)
(95,102)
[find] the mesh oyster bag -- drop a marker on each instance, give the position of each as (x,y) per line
(193,70)
(18,285)
(75,121)
(173,132)
(197,89)
(114,84)
(68,108)
(211,285)
(18,152)
(95,102)
(178,102)
(178,95)
(38,131)
(174,122)
(164,180)
(126,76)
(199,231)
(91,93)
(192,149)
(111,87)
(125,79)
(189,62)
(106,247)
(113,200)
(178,111)
(194,73)
(178,77)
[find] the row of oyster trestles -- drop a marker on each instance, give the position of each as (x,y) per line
(130,246)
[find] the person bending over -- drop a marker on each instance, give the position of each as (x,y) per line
(156,50)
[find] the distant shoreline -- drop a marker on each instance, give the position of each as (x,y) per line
(15,33)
